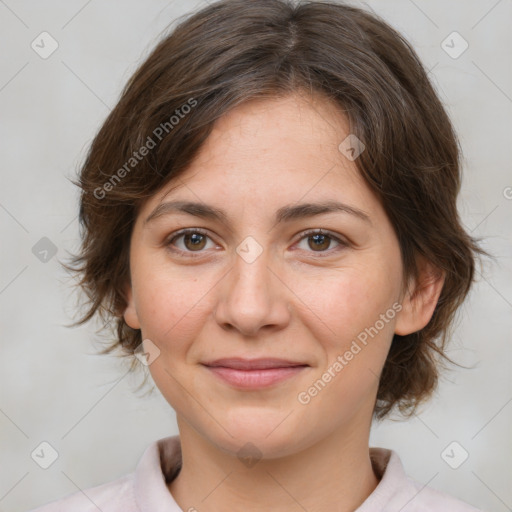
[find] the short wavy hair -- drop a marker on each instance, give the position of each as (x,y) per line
(233,51)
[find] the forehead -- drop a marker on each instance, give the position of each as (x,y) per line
(264,128)
(269,152)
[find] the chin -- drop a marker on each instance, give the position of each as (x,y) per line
(260,434)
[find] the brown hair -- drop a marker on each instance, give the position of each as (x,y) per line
(233,51)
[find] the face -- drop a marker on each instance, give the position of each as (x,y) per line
(259,276)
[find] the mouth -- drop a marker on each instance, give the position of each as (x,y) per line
(254,373)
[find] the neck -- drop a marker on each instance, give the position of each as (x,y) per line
(333,474)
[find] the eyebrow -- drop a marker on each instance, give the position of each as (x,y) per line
(285,214)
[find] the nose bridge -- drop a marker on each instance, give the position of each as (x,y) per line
(251,270)
(253,297)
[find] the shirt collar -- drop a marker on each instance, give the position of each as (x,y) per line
(161,462)
(158,465)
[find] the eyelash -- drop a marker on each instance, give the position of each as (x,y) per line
(304,235)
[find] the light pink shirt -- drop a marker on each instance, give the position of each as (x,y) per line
(145,490)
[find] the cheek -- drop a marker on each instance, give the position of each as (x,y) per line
(355,332)
(355,306)
(348,301)
(171,303)
(172,306)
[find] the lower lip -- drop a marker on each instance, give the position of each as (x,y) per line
(255,379)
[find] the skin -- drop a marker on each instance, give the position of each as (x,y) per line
(297,300)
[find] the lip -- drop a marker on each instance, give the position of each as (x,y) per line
(254,373)
(262,363)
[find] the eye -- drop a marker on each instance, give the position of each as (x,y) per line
(319,240)
(193,239)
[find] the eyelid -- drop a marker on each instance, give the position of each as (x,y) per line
(322,231)
(342,242)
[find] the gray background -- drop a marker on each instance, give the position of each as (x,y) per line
(54,388)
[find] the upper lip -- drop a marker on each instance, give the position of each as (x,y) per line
(239,363)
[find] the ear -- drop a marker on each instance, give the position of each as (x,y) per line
(420,298)
(130,313)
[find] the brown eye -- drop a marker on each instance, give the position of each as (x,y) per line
(194,241)
(188,241)
(320,242)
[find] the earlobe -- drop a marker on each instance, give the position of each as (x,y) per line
(130,313)
(420,299)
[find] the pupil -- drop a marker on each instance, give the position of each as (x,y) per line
(320,238)
(196,239)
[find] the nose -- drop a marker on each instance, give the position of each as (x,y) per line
(253,297)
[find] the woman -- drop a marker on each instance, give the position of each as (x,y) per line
(270,217)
